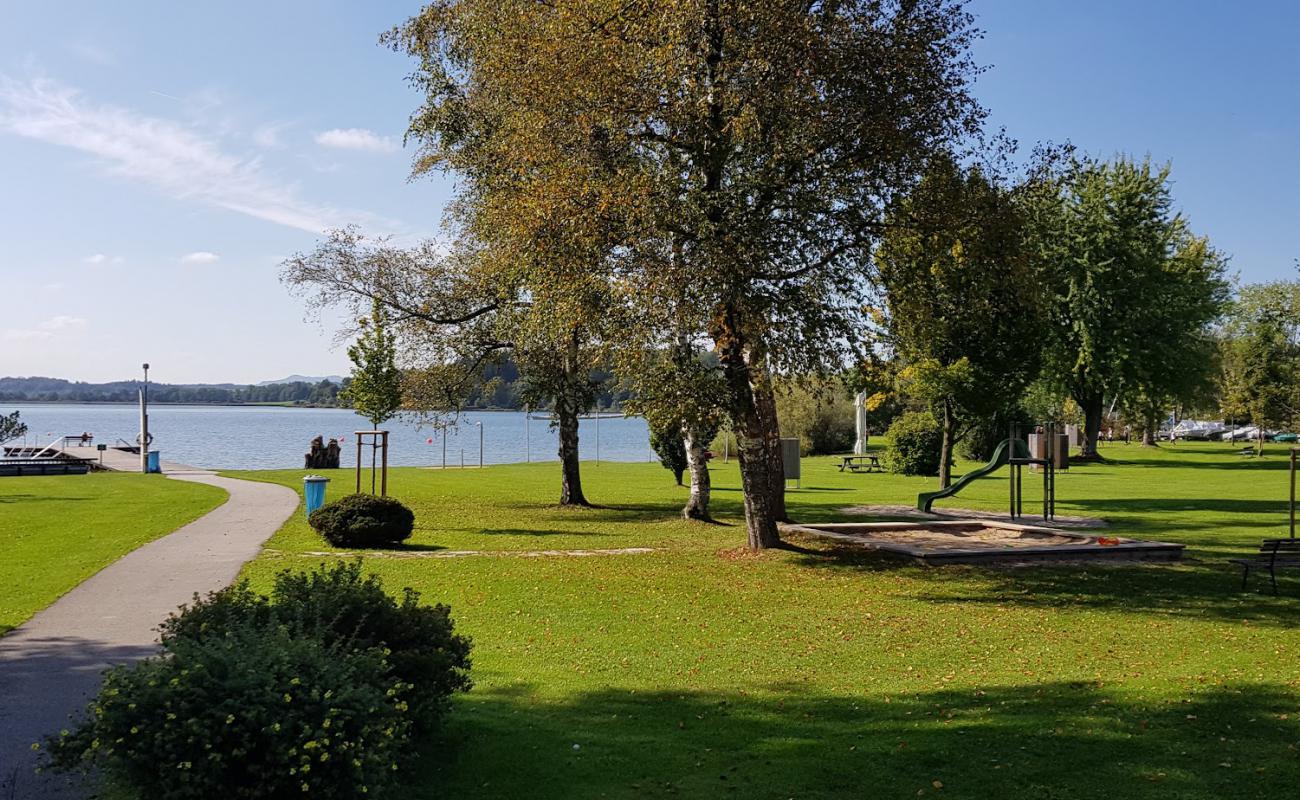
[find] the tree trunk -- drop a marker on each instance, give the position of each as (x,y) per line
(1149,429)
(945,447)
(765,402)
(1092,410)
(566,416)
(754,439)
(697,505)
(679,474)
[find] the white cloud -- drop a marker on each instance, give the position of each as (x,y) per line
(63,323)
(52,287)
(268,136)
(356,139)
(200,257)
(100,258)
(173,158)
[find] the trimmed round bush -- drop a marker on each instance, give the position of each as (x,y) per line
(363,520)
(319,690)
(915,443)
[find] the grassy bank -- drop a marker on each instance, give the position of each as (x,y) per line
(698,670)
(56,531)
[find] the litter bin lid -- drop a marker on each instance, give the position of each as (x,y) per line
(315,479)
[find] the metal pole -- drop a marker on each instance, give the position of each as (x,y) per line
(1293,450)
(444,448)
(597,433)
(144,422)
(480,444)
(528,435)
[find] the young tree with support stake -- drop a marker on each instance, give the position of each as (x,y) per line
(375,391)
(761,139)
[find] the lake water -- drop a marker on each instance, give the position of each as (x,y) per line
(270,437)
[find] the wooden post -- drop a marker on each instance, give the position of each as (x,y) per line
(383,485)
(357,435)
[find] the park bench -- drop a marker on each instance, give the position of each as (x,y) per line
(1274,554)
(861,464)
(1247,451)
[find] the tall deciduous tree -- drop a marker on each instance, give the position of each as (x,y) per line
(1133,290)
(375,391)
(759,139)
(451,316)
(961,290)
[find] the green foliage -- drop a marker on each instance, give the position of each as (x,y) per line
(671,449)
(363,520)
(313,690)
(342,606)
(1134,291)
(915,442)
(985,435)
(375,391)
(11,427)
(820,415)
(254,712)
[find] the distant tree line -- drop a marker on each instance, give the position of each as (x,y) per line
(56,390)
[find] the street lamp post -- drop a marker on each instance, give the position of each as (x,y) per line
(480,444)
(144,422)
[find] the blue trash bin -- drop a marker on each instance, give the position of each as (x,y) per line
(154,462)
(313,488)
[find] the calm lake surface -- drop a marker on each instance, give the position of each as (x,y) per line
(269,437)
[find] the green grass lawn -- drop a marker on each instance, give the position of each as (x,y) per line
(698,670)
(58,530)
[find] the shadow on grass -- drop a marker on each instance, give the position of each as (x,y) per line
(537,532)
(1055,740)
(1208,589)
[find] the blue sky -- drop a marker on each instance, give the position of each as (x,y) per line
(158,160)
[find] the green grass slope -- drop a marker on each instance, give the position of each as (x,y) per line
(699,670)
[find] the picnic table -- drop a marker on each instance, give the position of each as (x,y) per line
(861,464)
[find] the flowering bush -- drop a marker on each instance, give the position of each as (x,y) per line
(316,691)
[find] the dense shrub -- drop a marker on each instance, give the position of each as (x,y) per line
(671,449)
(342,606)
(985,435)
(363,520)
(313,691)
(821,416)
(915,442)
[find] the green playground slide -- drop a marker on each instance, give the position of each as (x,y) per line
(1000,456)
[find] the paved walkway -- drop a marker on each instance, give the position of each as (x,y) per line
(51,665)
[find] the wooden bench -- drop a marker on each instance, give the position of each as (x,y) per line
(861,464)
(1274,554)
(1247,451)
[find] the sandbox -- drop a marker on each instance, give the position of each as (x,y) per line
(981,541)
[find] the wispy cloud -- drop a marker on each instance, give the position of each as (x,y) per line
(100,258)
(19,335)
(173,158)
(356,139)
(200,257)
(62,323)
(46,330)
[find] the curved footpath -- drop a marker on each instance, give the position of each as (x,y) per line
(50,666)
